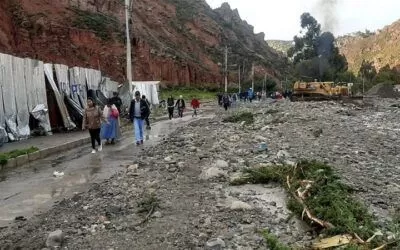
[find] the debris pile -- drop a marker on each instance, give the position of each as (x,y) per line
(178,194)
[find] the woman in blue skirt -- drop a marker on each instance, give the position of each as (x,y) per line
(109,129)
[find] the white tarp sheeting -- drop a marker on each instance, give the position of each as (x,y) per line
(68,124)
(93,78)
(32,98)
(107,87)
(77,77)
(62,79)
(3,134)
(10,107)
(39,84)
(21,99)
(149,89)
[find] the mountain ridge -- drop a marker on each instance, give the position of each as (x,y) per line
(180,42)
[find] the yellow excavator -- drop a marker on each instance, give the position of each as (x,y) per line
(304,91)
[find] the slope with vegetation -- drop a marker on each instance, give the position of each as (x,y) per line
(381,48)
(180,42)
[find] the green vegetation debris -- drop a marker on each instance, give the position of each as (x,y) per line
(327,198)
(4,157)
(273,242)
(148,203)
(246,117)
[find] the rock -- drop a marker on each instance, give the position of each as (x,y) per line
(215,244)
(55,239)
(168,159)
(157,214)
(260,138)
(211,173)
(221,164)
(265,128)
(133,168)
(282,155)
(240,205)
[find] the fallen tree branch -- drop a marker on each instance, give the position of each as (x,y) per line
(310,216)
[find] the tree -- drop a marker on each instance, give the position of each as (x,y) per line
(367,71)
(315,54)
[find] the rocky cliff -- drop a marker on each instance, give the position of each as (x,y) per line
(382,48)
(176,41)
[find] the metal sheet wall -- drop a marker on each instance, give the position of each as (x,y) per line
(93,78)
(32,98)
(40,87)
(68,124)
(21,98)
(62,79)
(3,135)
(8,90)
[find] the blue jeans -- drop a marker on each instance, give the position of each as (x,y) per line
(138,126)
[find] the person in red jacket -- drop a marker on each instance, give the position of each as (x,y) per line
(195,105)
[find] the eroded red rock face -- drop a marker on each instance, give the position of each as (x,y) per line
(171,42)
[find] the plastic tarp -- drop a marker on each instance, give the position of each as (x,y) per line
(3,134)
(93,78)
(125,97)
(62,79)
(108,87)
(149,89)
(68,124)
(39,85)
(8,92)
(75,110)
(21,99)
(77,83)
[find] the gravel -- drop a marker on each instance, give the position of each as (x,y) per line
(189,175)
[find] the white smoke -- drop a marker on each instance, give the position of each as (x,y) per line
(327,9)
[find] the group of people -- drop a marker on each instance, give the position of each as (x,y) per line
(181,106)
(104,125)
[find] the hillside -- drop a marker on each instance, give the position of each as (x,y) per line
(280,45)
(381,48)
(176,41)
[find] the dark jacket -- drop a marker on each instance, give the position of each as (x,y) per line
(144,109)
(117,102)
(180,104)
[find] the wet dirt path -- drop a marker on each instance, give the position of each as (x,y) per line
(31,190)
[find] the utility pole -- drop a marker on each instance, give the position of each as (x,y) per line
(239,79)
(252,76)
(128,49)
(226,69)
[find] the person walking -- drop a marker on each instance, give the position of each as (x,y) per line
(92,119)
(171,106)
(110,128)
(147,118)
(116,100)
(225,101)
(195,105)
(138,111)
(181,106)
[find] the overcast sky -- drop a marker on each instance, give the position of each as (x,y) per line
(280,19)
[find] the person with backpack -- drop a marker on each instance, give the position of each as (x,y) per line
(181,106)
(92,119)
(147,118)
(110,129)
(171,106)
(138,112)
(195,105)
